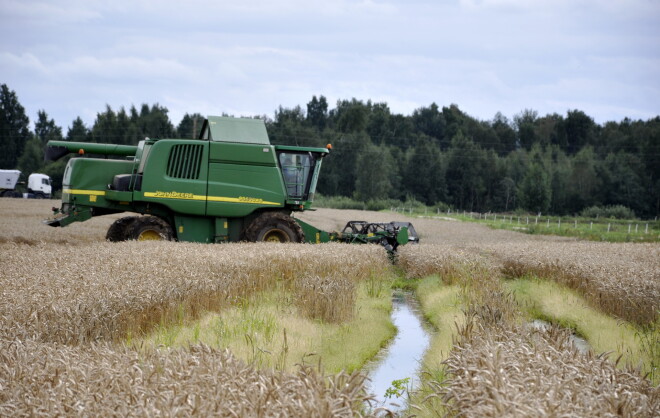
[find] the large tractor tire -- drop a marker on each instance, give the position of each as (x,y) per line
(274,227)
(118,231)
(149,228)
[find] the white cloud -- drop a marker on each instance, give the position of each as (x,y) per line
(25,63)
(124,69)
(67,12)
(250,57)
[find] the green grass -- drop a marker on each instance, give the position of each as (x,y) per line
(618,232)
(557,304)
(441,305)
(609,230)
(266,330)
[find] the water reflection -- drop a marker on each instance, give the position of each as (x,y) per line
(401,359)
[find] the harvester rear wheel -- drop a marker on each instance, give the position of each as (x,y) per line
(118,231)
(149,228)
(274,227)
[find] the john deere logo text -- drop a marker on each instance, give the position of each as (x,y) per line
(245,199)
(173,195)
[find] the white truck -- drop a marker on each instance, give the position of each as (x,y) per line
(39,186)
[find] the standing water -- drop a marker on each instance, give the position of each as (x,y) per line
(401,358)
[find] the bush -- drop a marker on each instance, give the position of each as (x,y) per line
(343,202)
(615,211)
(381,204)
(338,202)
(441,206)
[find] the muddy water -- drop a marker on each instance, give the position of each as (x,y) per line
(401,358)
(580,343)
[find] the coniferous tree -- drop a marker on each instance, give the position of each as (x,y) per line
(45,129)
(105,130)
(78,132)
(317,112)
(190,126)
(31,160)
(14,128)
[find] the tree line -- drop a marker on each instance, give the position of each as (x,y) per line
(558,164)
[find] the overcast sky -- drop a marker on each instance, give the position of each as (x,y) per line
(245,57)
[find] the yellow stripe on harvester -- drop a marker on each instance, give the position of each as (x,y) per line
(183,196)
(85,192)
(175,195)
(191,196)
(241,199)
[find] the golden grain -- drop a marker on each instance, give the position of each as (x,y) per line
(67,296)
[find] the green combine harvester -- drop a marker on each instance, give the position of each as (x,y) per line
(228,185)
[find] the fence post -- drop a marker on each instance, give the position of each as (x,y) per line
(646,231)
(548,225)
(629,225)
(576,223)
(591,225)
(608,227)
(636,226)
(559,223)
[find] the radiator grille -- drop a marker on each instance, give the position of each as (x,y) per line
(185,161)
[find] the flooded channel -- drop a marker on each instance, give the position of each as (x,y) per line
(579,343)
(401,358)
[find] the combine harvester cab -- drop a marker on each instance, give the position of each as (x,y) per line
(228,185)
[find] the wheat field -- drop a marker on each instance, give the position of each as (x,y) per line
(69,299)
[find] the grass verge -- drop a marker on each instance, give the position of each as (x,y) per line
(442,306)
(632,230)
(267,331)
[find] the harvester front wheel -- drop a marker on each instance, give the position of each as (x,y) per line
(149,228)
(274,227)
(118,231)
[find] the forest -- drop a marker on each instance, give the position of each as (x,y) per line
(439,156)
